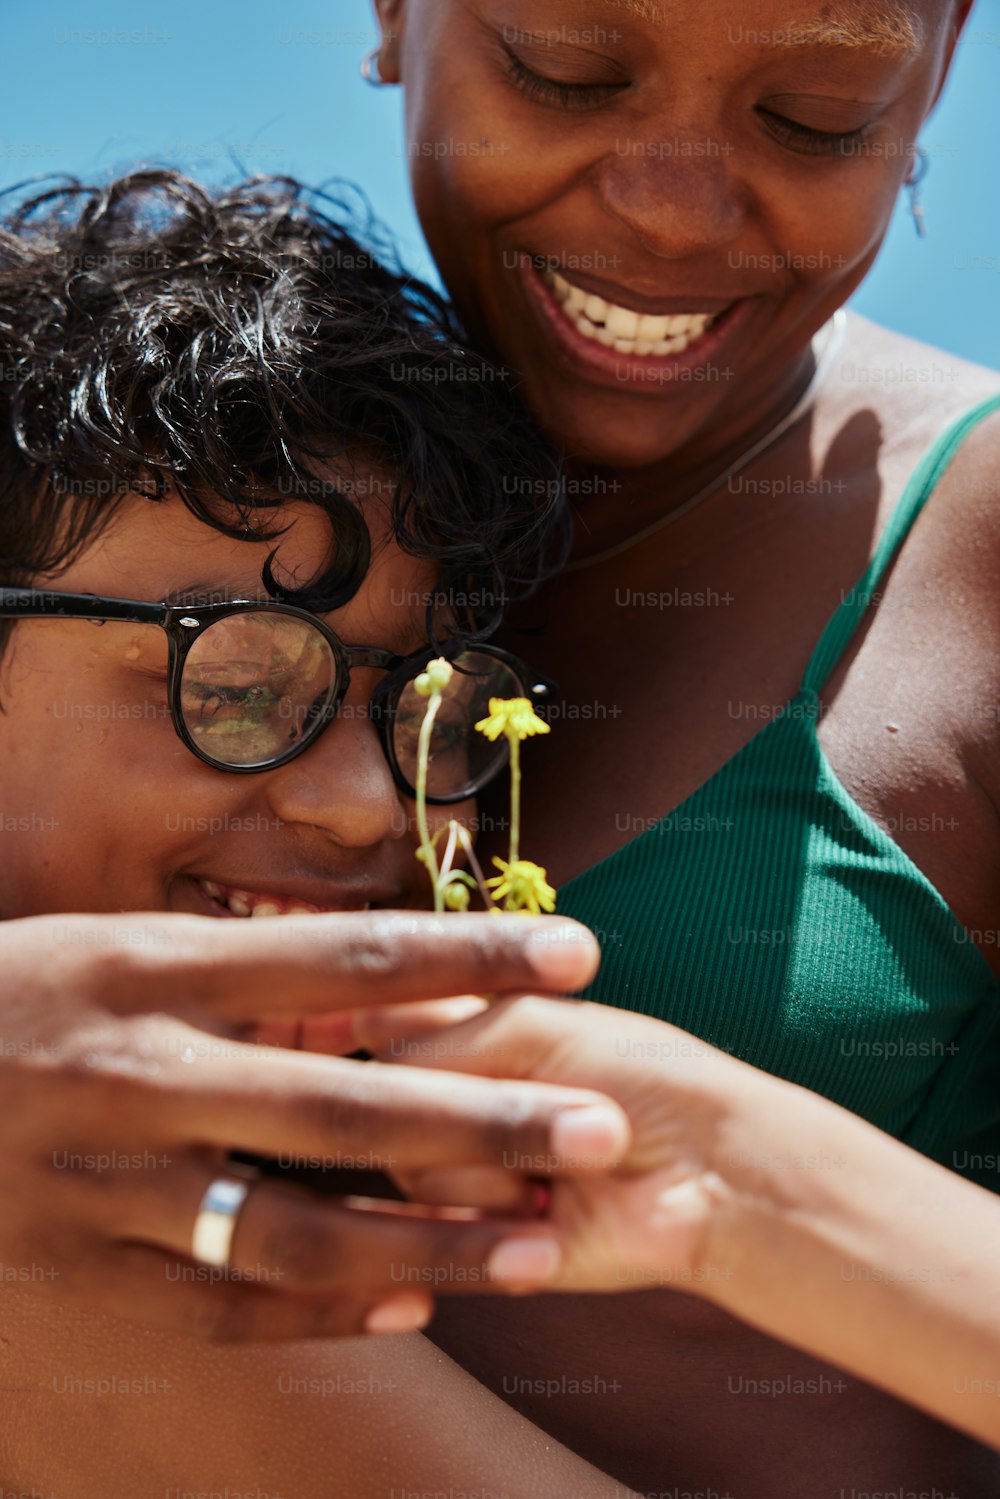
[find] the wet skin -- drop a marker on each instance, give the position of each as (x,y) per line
(737,214)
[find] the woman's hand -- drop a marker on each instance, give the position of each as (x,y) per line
(706,1130)
(126,1079)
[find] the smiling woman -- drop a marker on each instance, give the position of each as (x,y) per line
(783,584)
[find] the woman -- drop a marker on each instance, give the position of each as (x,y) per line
(821,900)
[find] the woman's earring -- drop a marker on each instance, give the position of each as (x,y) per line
(917,174)
(370,71)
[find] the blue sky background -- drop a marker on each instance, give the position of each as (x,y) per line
(95,86)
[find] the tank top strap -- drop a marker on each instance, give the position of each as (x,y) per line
(845,621)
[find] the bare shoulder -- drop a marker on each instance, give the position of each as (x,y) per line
(915,393)
(911,385)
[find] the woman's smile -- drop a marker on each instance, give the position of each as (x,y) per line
(609,342)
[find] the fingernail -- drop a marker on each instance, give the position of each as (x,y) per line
(589,1136)
(525,1259)
(402,1314)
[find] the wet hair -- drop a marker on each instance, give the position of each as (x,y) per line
(156,335)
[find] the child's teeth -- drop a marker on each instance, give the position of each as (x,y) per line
(238,905)
(623,329)
(265,908)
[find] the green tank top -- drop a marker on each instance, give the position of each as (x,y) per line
(770,916)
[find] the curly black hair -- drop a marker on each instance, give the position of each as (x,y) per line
(228,344)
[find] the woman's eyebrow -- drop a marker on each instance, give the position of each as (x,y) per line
(889,27)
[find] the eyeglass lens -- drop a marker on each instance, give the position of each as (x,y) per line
(254,685)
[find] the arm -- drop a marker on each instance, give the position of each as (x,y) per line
(888,1266)
(829,1234)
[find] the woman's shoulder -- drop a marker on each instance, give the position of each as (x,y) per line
(904,380)
(908,395)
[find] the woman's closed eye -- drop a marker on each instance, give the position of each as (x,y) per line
(554,92)
(805,140)
(809,141)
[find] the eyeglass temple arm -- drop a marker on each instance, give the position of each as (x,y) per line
(24,602)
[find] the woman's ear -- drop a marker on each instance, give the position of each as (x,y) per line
(391,17)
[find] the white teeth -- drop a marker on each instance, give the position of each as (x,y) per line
(265,908)
(622,323)
(622,328)
(653,328)
(246,903)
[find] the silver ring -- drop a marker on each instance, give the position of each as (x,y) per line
(215,1222)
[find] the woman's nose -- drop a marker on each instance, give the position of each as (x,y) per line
(678,191)
(342,783)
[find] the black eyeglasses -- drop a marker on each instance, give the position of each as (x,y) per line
(253,685)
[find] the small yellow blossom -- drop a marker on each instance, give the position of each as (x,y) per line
(513,716)
(436,677)
(456,896)
(525,886)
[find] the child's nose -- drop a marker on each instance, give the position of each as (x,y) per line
(342,783)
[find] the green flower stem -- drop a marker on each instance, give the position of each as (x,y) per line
(476,867)
(423,761)
(514,741)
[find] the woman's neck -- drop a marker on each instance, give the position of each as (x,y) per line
(611,505)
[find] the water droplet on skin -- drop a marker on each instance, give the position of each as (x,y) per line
(892,728)
(132,653)
(102,736)
(187,1055)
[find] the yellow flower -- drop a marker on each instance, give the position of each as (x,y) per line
(435,678)
(513,716)
(525,886)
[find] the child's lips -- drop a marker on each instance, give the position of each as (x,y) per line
(235,900)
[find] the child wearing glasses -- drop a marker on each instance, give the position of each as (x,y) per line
(251,484)
(246,472)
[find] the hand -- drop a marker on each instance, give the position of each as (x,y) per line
(126,1080)
(644,1218)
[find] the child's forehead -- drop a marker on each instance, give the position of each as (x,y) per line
(158,550)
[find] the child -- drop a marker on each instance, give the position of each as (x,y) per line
(251,485)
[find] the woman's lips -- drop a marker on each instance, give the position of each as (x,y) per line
(693,339)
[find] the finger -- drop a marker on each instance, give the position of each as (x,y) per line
(389,1026)
(346,1031)
(517,1036)
(289,1104)
(289,1239)
(488,1188)
(200,1301)
(299,965)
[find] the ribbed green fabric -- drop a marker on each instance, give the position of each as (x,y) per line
(772,917)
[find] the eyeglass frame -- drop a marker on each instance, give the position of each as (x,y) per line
(183,624)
